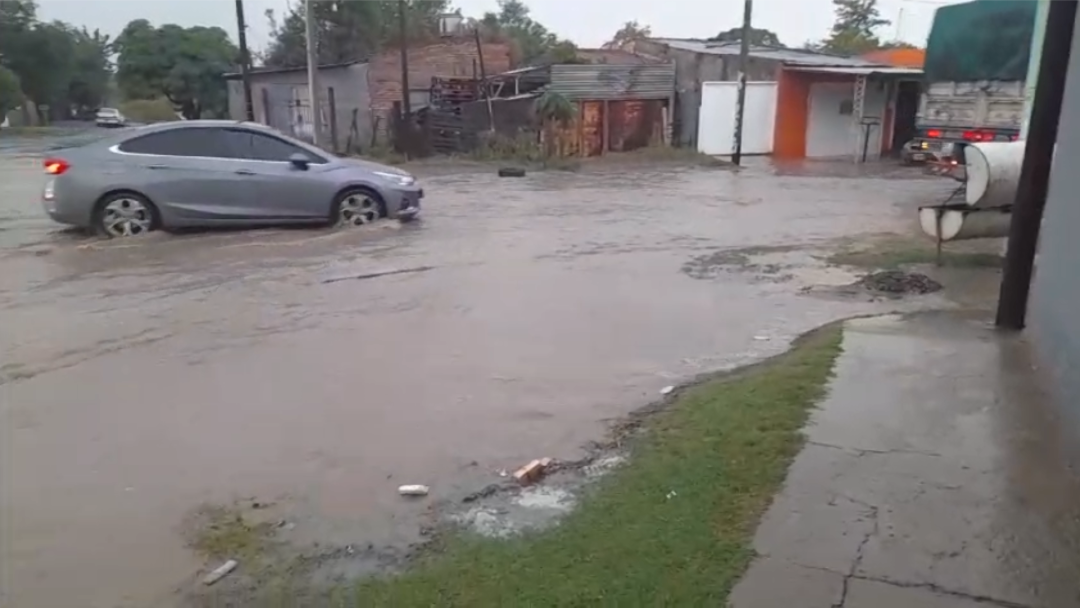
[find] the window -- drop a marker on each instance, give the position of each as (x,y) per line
(261,146)
(190,141)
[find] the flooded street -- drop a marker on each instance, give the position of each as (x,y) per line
(141,379)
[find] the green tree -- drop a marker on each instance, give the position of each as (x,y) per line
(185,65)
(10,92)
(533,43)
(92,70)
(57,65)
(631,31)
(853,32)
(350,31)
(43,57)
(758,37)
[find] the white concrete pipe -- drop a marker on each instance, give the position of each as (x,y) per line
(962,224)
(993,171)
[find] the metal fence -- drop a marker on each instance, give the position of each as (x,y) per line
(342,130)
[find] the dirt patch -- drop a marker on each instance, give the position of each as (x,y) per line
(745,260)
(899,282)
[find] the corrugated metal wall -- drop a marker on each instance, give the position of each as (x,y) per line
(605,81)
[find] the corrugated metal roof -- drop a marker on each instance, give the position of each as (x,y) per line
(859,71)
(266,70)
(600,81)
(785,56)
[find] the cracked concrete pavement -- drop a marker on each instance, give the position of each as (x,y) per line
(935,475)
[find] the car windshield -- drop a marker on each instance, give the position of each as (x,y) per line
(107,112)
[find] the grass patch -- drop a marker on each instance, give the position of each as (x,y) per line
(148,110)
(41,131)
(893,255)
(219,532)
(671,154)
(671,528)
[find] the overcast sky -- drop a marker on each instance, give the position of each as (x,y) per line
(588,23)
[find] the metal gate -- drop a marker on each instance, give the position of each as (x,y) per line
(288,109)
(716,118)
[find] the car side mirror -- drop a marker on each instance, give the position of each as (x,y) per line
(299,161)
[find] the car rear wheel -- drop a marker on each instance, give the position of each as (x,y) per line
(356,207)
(125,214)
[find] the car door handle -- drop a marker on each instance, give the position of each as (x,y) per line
(245,172)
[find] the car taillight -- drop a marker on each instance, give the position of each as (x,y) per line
(56,166)
(933,133)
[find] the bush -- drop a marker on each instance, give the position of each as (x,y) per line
(524,147)
(148,110)
(10,91)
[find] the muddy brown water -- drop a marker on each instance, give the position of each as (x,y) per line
(143,378)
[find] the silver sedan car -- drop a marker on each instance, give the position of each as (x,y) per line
(211,173)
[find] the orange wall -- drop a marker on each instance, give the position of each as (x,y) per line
(792,107)
(793,110)
(903,58)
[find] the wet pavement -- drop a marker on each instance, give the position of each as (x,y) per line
(141,379)
(937,475)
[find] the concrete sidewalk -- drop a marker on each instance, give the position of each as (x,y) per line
(936,476)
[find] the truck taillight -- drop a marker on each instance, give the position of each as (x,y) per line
(933,133)
(980,135)
(56,166)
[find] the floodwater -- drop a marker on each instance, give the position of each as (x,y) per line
(141,379)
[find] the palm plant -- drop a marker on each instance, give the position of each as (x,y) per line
(553,109)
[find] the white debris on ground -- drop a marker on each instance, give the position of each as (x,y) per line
(220,572)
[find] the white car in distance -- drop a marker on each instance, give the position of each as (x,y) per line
(110,117)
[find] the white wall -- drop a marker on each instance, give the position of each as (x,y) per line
(716,118)
(831,127)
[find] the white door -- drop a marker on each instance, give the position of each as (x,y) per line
(716,117)
(829,129)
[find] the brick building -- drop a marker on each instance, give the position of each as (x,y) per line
(363,91)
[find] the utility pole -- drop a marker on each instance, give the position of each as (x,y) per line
(1031,190)
(406,105)
(245,61)
(312,68)
(744,60)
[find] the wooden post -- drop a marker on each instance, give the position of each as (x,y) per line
(581,129)
(604,149)
(938,214)
(483,79)
(265,94)
(332,119)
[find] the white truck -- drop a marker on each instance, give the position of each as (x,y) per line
(968,112)
(976,62)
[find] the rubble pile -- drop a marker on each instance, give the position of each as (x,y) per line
(899,282)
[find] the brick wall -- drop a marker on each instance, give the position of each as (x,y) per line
(449,59)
